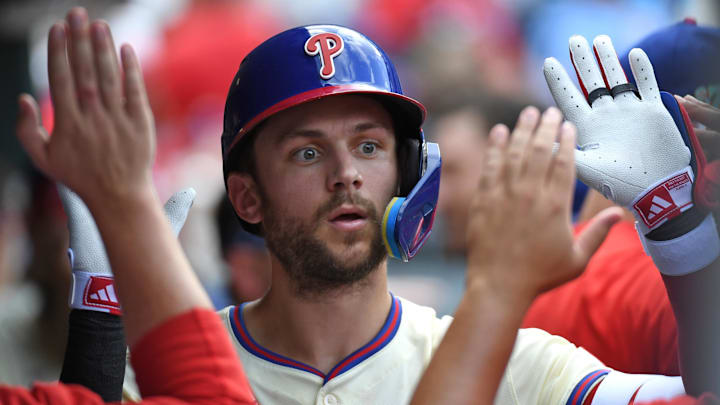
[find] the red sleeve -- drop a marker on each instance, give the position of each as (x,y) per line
(618,309)
(49,394)
(190,358)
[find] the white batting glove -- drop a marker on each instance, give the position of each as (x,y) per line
(93,285)
(635,147)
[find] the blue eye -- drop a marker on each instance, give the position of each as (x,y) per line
(368,148)
(306,154)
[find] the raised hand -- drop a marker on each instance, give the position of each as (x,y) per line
(706,120)
(637,148)
(520,238)
(103,142)
(621,134)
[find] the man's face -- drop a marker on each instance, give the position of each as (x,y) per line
(461,136)
(326,170)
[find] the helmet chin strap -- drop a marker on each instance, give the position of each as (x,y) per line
(408,220)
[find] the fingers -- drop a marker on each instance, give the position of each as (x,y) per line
(521,135)
(137,102)
(611,70)
(177,207)
(30,132)
(706,120)
(701,112)
(561,177)
(710,141)
(81,59)
(567,97)
(589,75)
(593,235)
(497,141)
(644,75)
(541,148)
(62,86)
(106,65)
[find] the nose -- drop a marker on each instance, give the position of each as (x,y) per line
(345,175)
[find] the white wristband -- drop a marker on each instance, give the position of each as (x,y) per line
(688,253)
(94,292)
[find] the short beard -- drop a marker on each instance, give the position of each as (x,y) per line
(313,269)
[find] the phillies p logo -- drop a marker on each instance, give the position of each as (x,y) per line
(328,45)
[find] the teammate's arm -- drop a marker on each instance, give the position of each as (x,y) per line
(695,302)
(102,148)
(694,297)
(520,243)
(96,352)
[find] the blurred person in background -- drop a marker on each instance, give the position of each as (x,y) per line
(461,125)
(461,45)
(247,259)
(696,73)
(33,307)
(32,271)
(187,86)
(634,329)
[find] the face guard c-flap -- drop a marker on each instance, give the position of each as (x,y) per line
(408,220)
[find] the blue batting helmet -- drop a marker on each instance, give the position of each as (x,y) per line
(307,63)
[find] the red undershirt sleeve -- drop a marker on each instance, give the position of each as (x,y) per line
(186,360)
(49,394)
(190,358)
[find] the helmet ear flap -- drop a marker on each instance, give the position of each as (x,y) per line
(409,155)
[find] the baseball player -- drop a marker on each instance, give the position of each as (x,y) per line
(324,157)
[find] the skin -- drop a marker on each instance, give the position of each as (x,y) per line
(462,139)
(706,120)
(509,261)
(323,330)
(249,274)
(102,147)
(502,283)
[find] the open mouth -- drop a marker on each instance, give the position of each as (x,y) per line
(348,218)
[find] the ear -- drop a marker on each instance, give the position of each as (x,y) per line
(245,198)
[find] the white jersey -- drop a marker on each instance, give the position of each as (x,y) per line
(543,369)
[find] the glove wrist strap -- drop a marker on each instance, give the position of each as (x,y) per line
(94,292)
(686,254)
(663,200)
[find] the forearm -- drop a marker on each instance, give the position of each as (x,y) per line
(95,353)
(190,359)
(476,348)
(695,300)
(146,256)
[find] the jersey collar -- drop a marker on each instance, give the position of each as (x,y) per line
(383,337)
